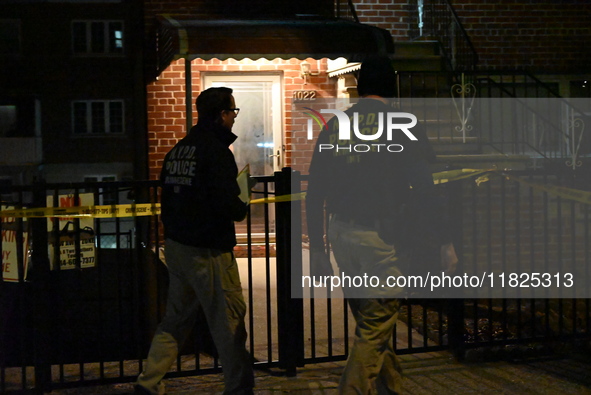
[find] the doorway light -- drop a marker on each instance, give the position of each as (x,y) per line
(306,70)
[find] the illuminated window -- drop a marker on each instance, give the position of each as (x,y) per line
(97,37)
(96,117)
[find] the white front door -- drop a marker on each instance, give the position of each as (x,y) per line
(258,127)
(259,123)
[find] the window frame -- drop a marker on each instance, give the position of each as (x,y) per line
(89,39)
(91,121)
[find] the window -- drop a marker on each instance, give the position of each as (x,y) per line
(10,40)
(93,117)
(97,37)
(19,116)
(7,121)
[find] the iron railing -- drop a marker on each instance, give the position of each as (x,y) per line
(92,325)
(345,9)
(504,113)
(437,19)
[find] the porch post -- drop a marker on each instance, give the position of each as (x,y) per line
(455,307)
(188,94)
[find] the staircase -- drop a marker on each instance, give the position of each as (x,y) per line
(425,83)
(438,81)
(453,106)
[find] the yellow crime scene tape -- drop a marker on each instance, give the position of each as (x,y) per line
(568,193)
(111,211)
(147,209)
(455,175)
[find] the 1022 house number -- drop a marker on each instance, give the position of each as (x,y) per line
(304,95)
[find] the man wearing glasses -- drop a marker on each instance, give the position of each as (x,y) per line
(200,202)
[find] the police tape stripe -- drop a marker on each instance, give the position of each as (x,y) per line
(568,193)
(438,178)
(280,198)
(112,211)
(454,175)
(146,209)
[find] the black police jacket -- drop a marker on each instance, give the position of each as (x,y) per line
(199,189)
(376,180)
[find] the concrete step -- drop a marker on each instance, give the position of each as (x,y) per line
(425,83)
(419,63)
(405,49)
(455,145)
(482,161)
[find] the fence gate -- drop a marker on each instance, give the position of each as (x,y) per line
(80,298)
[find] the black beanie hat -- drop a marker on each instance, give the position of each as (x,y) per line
(377,77)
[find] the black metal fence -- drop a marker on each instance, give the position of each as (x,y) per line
(497,112)
(68,322)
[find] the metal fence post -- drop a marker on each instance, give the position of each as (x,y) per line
(290,312)
(455,307)
(39,275)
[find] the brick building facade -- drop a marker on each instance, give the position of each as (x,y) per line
(549,38)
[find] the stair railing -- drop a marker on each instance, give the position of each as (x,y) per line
(345,9)
(561,131)
(437,19)
(509,113)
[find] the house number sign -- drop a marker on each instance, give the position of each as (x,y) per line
(307,95)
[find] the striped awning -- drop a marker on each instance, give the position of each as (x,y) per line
(270,39)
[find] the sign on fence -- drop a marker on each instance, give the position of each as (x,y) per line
(68,237)
(10,248)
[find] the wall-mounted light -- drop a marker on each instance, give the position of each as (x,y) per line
(306,70)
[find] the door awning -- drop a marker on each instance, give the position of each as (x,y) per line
(270,39)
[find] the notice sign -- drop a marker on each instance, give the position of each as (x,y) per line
(66,242)
(9,248)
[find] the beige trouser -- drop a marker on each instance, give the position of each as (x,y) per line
(200,277)
(372,366)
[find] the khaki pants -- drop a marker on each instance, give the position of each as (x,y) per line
(200,277)
(372,366)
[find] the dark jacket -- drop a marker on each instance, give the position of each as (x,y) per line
(199,190)
(374,185)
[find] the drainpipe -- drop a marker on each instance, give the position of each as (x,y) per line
(188,94)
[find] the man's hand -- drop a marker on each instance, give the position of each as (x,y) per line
(320,265)
(449,259)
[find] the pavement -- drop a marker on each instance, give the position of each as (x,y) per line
(566,370)
(424,373)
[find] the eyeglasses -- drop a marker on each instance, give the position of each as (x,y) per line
(236,110)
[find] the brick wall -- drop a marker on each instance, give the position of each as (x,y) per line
(543,36)
(166,102)
(389,15)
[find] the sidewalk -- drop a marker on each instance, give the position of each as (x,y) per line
(429,373)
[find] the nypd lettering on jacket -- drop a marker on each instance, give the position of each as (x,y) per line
(369,129)
(180,166)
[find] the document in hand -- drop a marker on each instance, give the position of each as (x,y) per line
(243,183)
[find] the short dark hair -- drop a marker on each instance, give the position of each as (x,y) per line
(211,102)
(377,77)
